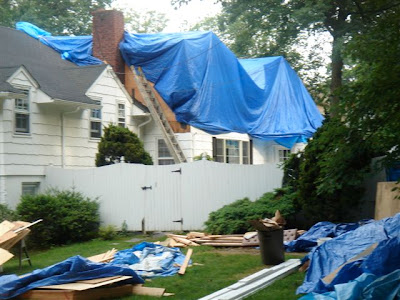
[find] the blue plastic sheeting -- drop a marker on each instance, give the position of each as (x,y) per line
(333,253)
(366,286)
(150,260)
(31,30)
(70,270)
(77,49)
(206,86)
(320,230)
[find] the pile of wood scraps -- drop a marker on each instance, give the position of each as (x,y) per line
(93,289)
(10,234)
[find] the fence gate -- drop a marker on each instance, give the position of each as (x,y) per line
(163,200)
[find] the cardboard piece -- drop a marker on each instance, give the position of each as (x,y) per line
(81,286)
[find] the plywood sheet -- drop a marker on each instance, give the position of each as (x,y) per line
(81,286)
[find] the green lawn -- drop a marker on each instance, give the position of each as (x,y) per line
(213,269)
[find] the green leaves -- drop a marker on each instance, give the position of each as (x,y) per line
(117,142)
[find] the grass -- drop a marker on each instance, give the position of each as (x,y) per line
(213,269)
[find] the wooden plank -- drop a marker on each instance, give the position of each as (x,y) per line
(5,226)
(27,226)
(11,242)
(98,280)
(183,240)
(147,291)
(5,256)
(93,294)
(7,236)
(223,244)
(78,286)
(182,270)
(104,257)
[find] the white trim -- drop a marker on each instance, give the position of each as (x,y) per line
(28,76)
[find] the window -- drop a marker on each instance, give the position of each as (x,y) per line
(121,115)
(284,154)
(30,188)
(164,156)
(22,115)
(232,151)
(95,122)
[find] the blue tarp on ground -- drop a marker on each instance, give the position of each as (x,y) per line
(320,230)
(70,270)
(150,260)
(327,257)
(206,86)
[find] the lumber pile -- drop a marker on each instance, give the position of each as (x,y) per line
(100,288)
(10,234)
(200,238)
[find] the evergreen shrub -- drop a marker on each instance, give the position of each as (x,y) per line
(68,216)
(234,218)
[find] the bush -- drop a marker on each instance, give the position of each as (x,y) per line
(108,232)
(118,142)
(68,216)
(234,217)
(7,213)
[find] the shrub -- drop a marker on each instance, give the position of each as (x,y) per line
(68,216)
(108,232)
(234,217)
(118,142)
(7,213)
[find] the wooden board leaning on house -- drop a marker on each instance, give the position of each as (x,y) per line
(387,202)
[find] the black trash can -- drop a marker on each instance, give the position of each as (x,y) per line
(271,246)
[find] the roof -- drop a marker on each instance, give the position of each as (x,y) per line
(58,78)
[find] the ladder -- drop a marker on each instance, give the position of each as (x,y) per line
(158,115)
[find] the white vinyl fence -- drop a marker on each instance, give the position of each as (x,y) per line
(165,198)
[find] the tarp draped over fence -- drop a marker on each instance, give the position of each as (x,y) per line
(207,87)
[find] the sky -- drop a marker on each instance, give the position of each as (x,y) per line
(191,13)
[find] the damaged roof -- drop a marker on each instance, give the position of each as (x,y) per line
(58,78)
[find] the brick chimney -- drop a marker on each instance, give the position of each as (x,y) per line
(108,30)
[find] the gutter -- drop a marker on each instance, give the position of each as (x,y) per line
(63,134)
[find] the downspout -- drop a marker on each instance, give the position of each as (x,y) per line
(63,134)
(144,123)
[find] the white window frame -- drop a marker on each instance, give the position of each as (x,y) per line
(225,157)
(165,158)
(95,118)
(30,188)
(23,109)
(282,154)
(121,114)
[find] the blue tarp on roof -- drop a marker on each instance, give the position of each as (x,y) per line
(77,49)
(207,87)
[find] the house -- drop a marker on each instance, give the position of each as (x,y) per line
(52,112)
(261,119)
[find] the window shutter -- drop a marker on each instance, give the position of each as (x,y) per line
(251,152)
(214,147)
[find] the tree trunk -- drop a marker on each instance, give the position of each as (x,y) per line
(337,66)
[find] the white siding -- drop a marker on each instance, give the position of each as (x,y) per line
(29,154)
(199,189)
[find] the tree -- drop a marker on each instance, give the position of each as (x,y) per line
(145,21)
(57,17)
(271,27)
(370,99)
(118,142)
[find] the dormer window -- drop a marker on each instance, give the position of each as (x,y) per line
(22,115)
